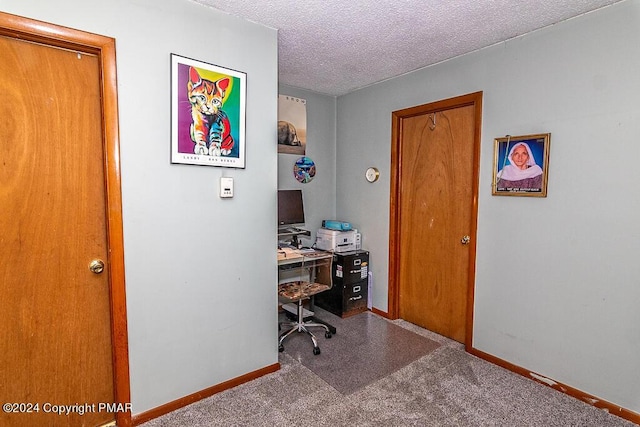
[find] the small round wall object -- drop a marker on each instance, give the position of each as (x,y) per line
(372,174)
(304,169)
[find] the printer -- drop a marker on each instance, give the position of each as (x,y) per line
(336,240)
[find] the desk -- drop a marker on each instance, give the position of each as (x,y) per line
(307,265)
(292,255)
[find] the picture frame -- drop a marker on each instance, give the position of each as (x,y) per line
(208,114)
(521,165)
(292,125)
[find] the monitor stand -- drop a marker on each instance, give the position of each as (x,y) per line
(293,233)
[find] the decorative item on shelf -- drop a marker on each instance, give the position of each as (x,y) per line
(304,169)
(372,174)
(521,165)
(207,114)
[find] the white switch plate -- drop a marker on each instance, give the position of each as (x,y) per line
(226,187)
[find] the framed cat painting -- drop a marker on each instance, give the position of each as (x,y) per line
(208,112)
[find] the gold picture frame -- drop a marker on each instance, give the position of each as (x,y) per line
(521,165)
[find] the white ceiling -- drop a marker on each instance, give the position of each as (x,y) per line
(337,46)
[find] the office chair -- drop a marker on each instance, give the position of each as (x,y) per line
(312,277)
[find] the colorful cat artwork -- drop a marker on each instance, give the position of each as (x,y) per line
(210,129)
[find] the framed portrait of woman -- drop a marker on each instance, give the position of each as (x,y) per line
(521,165)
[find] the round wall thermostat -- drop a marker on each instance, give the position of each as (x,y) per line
(372,174)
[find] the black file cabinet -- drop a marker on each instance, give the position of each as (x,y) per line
(349,293)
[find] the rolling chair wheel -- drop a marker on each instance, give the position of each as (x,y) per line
(327,335)
(280,348)
(316,351)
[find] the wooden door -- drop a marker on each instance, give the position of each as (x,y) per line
(434,213)
(56,320)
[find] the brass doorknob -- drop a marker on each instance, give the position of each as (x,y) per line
(465,240)
(96,266)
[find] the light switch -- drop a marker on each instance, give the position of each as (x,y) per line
(226,187)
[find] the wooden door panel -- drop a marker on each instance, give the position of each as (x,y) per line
(56,328)
(436,204)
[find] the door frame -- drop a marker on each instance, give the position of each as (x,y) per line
(473,99)
(103,48)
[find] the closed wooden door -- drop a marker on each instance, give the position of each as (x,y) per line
(55,322)
(436,215)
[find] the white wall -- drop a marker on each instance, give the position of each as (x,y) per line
(200,271)
(557,282)
(320,193)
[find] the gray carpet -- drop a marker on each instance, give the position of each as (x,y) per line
(365,348)
(445,387)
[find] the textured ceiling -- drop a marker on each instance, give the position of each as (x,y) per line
(337,46)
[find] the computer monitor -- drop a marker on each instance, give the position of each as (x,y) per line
(290,207)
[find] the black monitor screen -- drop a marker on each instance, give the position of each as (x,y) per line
(290,207)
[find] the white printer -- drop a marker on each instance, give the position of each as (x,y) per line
(336,240)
